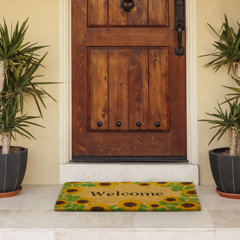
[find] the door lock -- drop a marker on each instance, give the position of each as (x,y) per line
(179,24)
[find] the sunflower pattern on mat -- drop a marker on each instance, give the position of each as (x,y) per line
(114,196)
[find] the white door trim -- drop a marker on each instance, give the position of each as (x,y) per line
(65,95)
(191,51)
(65,89)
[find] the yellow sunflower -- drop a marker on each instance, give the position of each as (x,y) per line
(82,201)
(163,184)
(130,205)
(105,184)
(145,184)
(190,206)
(190,192)
(72,190)
(61,203)
(154,205)
(170,199)
(97,207)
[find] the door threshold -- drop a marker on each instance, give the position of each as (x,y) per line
(128,172)
(130,159)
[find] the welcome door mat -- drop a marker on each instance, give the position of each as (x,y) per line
(128,196)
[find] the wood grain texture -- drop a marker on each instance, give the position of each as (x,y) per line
(98,84)
(138,88)
(116,15)
(139,14)
(158,88)
(118,88)
(104,13)
(119,39)
(130,37)
(79,76)
(97,13)
(158,12)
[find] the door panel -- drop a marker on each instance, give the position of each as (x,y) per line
(98,80)
(97,15)
(158,13)
(103,13)
(118,88)
(117,16)
(158,89)
(138,88)
(129,87)
(139,14)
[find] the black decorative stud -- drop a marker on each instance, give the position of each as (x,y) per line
(118,124)
(127,5)
(158,124)
(99,124)
(138,124)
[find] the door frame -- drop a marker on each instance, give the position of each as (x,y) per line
(65,89)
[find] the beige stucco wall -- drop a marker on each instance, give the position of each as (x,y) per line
(43,164)
(209,83)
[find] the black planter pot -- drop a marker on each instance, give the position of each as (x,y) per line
(12,171)
(226,172)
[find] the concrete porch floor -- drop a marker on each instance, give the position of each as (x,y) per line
(30,216)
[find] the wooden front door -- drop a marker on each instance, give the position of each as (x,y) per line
(128,85)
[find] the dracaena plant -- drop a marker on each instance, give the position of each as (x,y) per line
(19,63)
(227,53)
(227,121)
(227,47)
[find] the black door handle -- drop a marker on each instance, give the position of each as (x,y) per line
(179,25)
(179,49)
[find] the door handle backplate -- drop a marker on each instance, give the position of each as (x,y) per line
(179,24)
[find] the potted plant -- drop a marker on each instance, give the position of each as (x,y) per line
(19,63)
(225,162)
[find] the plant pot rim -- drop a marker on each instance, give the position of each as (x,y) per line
(22,149)
(220,151)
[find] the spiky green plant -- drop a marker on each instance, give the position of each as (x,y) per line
(227,53)
(235,90)
(226,121)
(227,47)
(19,63)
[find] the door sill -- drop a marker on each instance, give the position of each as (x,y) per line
(129,172)
(130,159)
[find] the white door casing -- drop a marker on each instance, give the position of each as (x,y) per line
(65,92)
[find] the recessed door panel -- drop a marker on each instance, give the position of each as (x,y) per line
(128,88)
(109,13)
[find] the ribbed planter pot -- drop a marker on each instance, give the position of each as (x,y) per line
(12,171)
(226,172)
